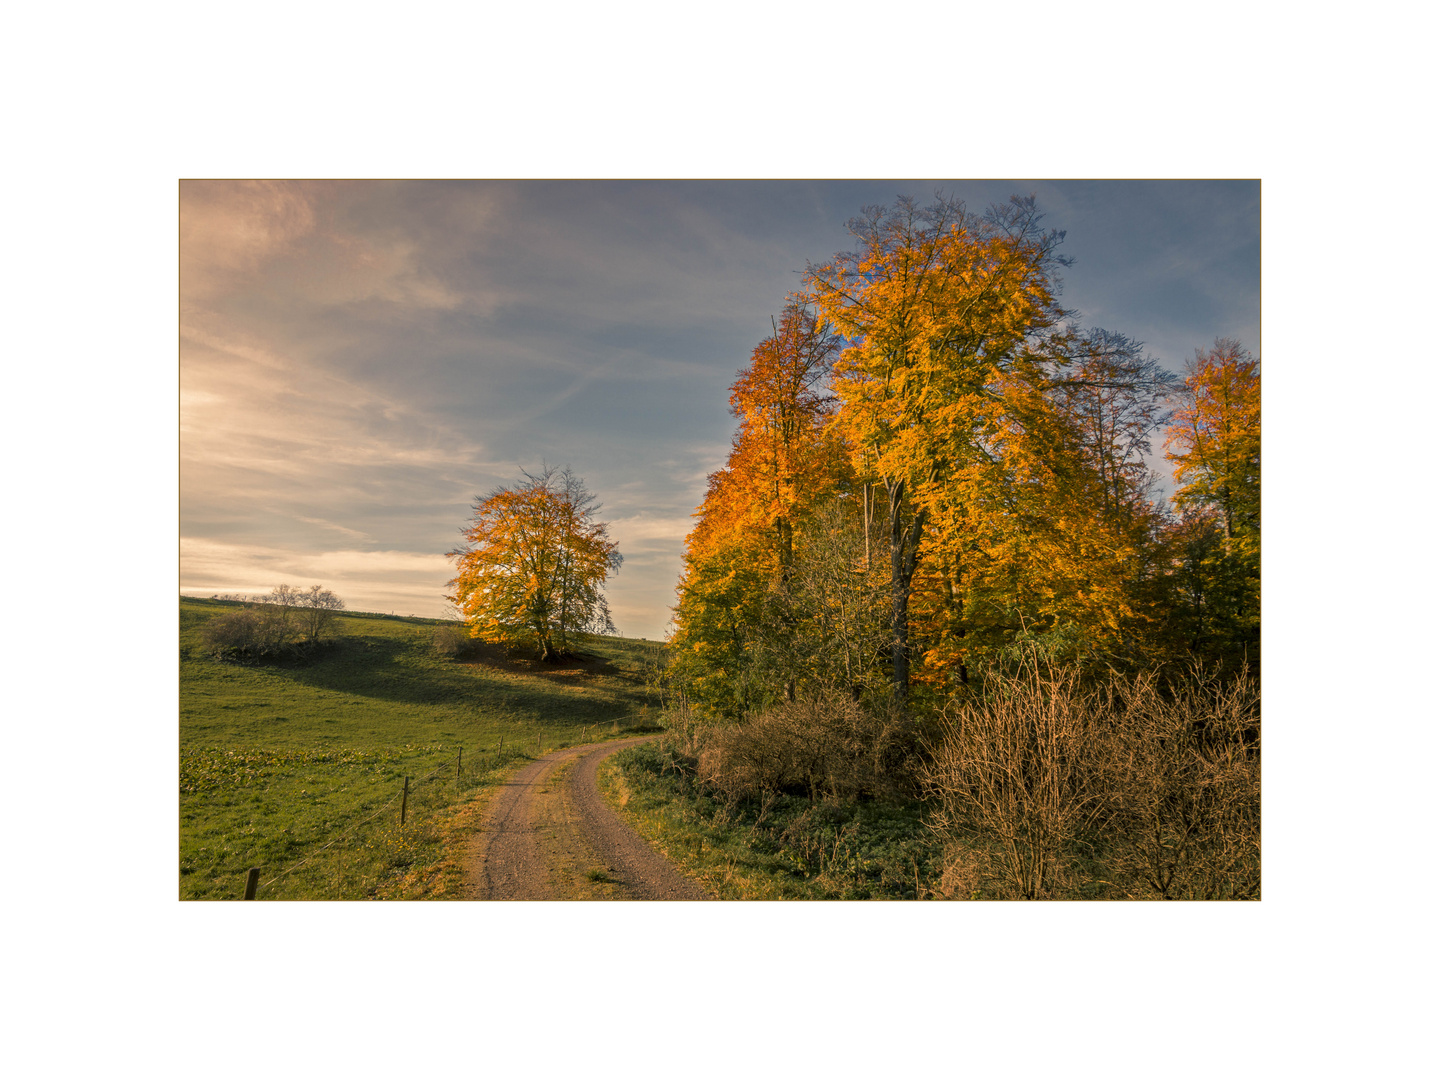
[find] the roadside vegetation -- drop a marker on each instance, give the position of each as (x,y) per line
(281,755)
(1040,785)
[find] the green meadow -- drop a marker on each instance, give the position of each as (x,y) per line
(299,766)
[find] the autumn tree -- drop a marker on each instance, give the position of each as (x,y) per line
(783,451)
(943,311)
(534,563)
(1214,444)
(785,460)
(1115,399)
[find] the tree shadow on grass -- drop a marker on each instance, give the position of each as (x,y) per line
(408,673)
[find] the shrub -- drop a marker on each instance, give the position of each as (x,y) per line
(233,630)
(251,632)
(453,641)
(1184,773)
(1014,776)
(823,745)
(269,625)
(1047,786)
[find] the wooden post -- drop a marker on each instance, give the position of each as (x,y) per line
(404,798)
(502,745)
(252,879)
(459,756)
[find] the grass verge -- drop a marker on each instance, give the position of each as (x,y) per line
(787,848)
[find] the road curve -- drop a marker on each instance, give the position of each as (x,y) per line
(548,836)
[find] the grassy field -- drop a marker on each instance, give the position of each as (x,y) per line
(785,849)
(279,760)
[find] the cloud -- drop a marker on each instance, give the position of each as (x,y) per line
(229,229)
(649,527)
(294,238)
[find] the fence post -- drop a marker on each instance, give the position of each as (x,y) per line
(459,756)
(252,879)
(404,798)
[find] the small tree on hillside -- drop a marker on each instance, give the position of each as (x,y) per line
(317,611)
(534,562)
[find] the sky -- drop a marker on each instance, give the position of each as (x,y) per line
(360,360)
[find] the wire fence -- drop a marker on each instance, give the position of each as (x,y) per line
(252,883)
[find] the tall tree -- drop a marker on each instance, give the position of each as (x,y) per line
(1117,398)
(1214,444)
(534,564)
(944,312)
(785,460)
(783,453)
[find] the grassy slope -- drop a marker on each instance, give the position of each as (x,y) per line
(277,760)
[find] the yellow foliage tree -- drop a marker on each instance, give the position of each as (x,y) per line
(534,564)
(1214,444)
(945,313)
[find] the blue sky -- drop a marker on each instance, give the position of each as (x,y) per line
(359,360)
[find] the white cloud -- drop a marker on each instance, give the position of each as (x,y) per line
(649,527)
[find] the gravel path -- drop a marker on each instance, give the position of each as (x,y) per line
(549,836)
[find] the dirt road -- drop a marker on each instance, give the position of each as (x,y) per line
(548,836)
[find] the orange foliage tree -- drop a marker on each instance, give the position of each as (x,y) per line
(1214,444)
(785,460)
(534,564)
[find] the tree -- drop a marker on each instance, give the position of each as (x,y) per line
(784,454)
(942,310)
(1217,435)
(734,620)
(1117,397)
(317,611)
(534,564)
(1214,443)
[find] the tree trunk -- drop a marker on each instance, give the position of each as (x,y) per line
(904,545)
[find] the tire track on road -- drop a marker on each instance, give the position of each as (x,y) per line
(549,836)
